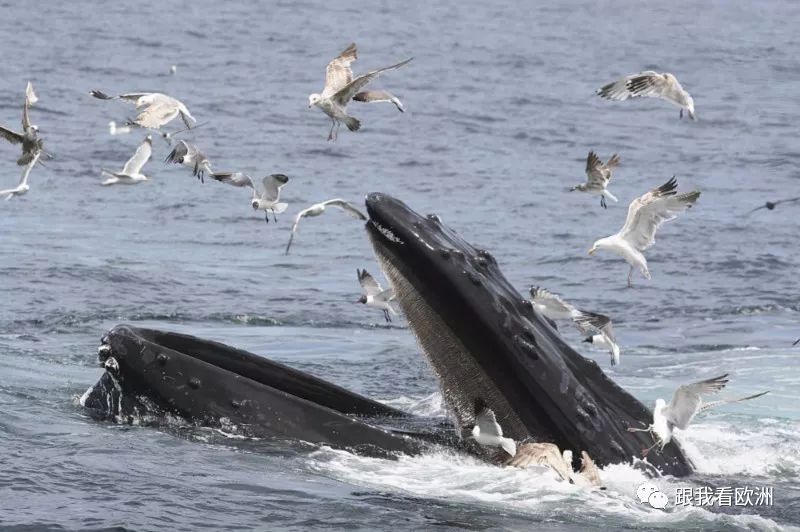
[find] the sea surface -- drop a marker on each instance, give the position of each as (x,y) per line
(501,113)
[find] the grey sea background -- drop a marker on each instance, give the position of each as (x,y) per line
(501,113)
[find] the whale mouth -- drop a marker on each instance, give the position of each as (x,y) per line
(484,341)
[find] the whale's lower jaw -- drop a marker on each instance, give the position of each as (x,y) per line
(484,341)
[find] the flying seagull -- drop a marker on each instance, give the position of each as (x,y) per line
(23,187)
(319,208)
(265,197)
(645,215)
(650,84)
(598,175)
(553,307)
(190,156)
(488,432)
(340,88)
(770,205)
(374,295)
(29,138)
(379,96)
(131,173)
(686,403)
(155,109)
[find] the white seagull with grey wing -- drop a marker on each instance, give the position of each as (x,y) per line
(645,215)
(686,403)
(652,85)
(319,208)
(266,194)
(598,175)
(131,173)
(340,88)
(374,295)
(155,109)
(189,155)
(488,432)
(554,308)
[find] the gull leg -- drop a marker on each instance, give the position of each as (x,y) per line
(680,115)
(630,278)
(634,429)
(646,451)
(273,216)
(266,216)
(386,315)
(603,202)
(330,133)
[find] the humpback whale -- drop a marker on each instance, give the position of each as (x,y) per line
(483,340)
(486,343)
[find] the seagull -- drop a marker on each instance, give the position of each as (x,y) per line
(113,129)
(266,199)
(190,156)
(770,205)
(29,138)
(551,306)
(796,342)
(598,175)
(131,173)
(155,109)
(374,295)
(319,208)
(686,403)
(488,432)
(650,84)
(645,215)
(173,69)
(23,187)
(340,88)
(379,96)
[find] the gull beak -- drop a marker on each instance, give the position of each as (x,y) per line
(591,251)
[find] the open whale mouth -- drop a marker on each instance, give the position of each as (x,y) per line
(485,342)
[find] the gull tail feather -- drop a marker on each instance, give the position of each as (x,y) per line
(279,207)
(509,446)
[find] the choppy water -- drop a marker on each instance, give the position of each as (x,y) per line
(501,114)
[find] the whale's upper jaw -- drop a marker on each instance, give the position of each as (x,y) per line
(485,341)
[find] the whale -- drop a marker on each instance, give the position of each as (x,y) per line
(482,339)
(486,343)
(152,374)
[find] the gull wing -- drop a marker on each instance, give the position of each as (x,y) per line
(368,283)
(30,94)
(649,211)
(180,152)
(649,85)
(156,115)
(338,72)
(713,404)
(379,96)
(688,398)
(620,89)
(552,303)
(596,170)
(346,93)
(348,207)
(487,423)
(272,186)
(237,179)
(11,136)
(139,158)
(297,219)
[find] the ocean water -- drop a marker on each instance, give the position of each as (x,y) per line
(500,114)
